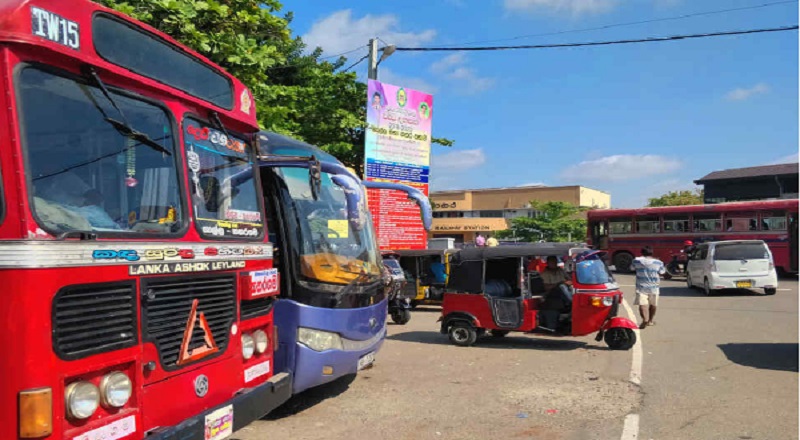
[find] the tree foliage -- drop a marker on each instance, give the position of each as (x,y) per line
(555,221)
(297,93)
(677,198)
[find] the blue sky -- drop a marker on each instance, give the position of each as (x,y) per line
(633,120)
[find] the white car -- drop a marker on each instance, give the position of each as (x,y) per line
(739,264)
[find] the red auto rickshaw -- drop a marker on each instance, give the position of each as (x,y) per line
(492,289)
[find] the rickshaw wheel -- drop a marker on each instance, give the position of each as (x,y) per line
(462,334)
(619,338)
(401,316)
(498,333)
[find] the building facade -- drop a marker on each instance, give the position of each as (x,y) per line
(752,183)
(462,214)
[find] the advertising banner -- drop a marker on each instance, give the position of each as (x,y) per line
(397,149)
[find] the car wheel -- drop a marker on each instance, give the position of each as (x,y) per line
(498,333)
(707,288)
(401,316)
(623,261)
(462,334)
(619,338)
(770,290)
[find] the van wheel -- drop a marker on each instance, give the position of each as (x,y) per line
(770,290)
(462,334)
(622,262)
(707,288)
(620,338)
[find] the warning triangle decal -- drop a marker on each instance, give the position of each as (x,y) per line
(209,347)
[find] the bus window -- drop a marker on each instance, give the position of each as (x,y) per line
(648,225)
(676,223)
(620,227)
(773,221)
(707,223)
(740,222)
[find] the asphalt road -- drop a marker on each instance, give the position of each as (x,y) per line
(721,367)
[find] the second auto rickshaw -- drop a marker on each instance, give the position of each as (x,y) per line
(426,271)
(491,289)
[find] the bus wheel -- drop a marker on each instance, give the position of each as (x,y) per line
(401,316)
(623,261)
(462,334)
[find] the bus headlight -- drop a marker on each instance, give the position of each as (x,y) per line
(262,343)
(115,389)
(319,340)
(248,346)
(82,399)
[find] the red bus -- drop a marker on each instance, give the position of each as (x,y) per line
(137,275)
(623,232)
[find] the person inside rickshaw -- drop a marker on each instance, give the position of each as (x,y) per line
(438,270)
(558,296)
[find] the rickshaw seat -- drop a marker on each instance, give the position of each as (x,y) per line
(536,284)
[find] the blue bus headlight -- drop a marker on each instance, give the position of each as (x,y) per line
(319,340)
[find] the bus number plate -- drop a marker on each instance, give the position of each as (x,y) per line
(219,424)
(366,360)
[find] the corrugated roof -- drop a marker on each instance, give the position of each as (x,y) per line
(738,173)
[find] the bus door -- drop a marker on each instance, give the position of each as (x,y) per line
(600,234)
(793,241)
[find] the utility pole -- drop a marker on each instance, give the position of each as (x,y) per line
(372,72)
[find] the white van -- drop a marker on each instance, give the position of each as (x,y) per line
(740,264)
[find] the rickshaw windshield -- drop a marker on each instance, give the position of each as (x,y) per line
(331,250)
(593,272)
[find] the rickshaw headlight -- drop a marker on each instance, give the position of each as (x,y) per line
(115,389)
(248,346)
(319,340)
(82,399)
(608,301)
(262,342)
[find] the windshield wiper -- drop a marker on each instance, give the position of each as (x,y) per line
(124,127)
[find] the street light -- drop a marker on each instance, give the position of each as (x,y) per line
(372,70)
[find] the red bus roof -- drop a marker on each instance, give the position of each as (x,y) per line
(16,18)
(760,205)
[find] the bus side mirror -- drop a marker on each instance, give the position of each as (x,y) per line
(354,200)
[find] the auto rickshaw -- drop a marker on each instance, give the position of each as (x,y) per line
(419,267)
(492,289)
(399,300)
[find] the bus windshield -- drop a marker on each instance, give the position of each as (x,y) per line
(331,250)
(85,174)
(224,191)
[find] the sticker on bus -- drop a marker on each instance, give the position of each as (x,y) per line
(55,28)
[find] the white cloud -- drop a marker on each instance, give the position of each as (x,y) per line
(465,79)
(621,167)
(458,160)
(792,158)
(574,7)
(741,94)
(389,77)
(340,32)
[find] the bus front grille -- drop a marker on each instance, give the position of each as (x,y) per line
(167,307)
(94,318)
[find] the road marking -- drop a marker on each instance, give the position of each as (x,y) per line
(631,429)
(636,359)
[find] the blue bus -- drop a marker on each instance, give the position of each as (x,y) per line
(331,314)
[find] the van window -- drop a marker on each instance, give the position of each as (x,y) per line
(741,251)
(701,253)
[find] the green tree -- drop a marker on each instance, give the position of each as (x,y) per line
(677,198)
(555,221)
(297,93)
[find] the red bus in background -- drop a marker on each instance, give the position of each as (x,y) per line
(136,272)
(624,232)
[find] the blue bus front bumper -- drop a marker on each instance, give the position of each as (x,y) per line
(362,331)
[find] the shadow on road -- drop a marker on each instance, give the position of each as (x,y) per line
(428,309)
(307,399)
(512,342)
(686,292)
(768,356)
